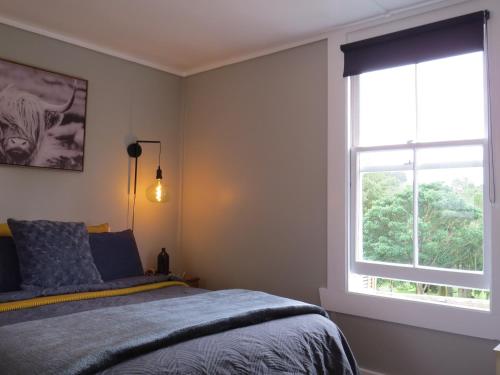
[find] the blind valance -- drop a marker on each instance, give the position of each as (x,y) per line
(454,36)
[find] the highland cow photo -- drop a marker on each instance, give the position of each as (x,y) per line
(42,118)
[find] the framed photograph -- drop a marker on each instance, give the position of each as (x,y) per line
(42,117)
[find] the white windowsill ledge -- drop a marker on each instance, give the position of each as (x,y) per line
(452,319)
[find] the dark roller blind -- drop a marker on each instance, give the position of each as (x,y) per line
(436,40)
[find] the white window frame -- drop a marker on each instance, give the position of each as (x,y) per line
(414,272)
(335,296)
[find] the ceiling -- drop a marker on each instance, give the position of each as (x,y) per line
(187,36)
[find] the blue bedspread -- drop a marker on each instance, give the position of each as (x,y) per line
(225,332)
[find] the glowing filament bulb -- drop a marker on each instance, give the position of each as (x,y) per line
(157,192)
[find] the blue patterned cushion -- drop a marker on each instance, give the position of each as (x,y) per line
(10,279)
(53,254)
(116,255)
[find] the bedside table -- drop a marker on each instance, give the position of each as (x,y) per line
(192,281)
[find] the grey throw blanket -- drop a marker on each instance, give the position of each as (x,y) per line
(89,341)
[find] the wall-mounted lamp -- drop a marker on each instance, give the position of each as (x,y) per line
(156,192)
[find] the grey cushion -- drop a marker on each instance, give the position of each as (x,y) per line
(53,254)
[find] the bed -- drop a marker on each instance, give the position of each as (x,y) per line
(159,325)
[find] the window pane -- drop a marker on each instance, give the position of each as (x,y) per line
(449,295)
(387,111)
(450,213)
(434,158)
(394,160)
(387,217)
(451,98)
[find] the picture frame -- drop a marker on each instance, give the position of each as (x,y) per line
(42,117)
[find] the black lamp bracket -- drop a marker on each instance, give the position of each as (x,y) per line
(134,150)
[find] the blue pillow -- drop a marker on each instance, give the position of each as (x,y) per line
(53,254)
(116,255)
(10,278)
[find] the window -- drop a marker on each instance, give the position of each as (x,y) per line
(417,164)
(412,232)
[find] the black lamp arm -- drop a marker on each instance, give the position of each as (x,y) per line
(134,150)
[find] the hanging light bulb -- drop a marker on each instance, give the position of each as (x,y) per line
(157,192)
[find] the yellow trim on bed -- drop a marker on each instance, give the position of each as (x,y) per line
(5,230)
(100,228)
(49,300)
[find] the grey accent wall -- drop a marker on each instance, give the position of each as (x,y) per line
(396,349)
(124,100)
(254,174)
(254,205)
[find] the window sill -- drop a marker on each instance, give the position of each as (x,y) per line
(452,319)
(464,303)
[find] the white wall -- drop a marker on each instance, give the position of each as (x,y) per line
(124,100)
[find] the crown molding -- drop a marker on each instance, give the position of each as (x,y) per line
(384,17)
(263,52)
(88,45)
